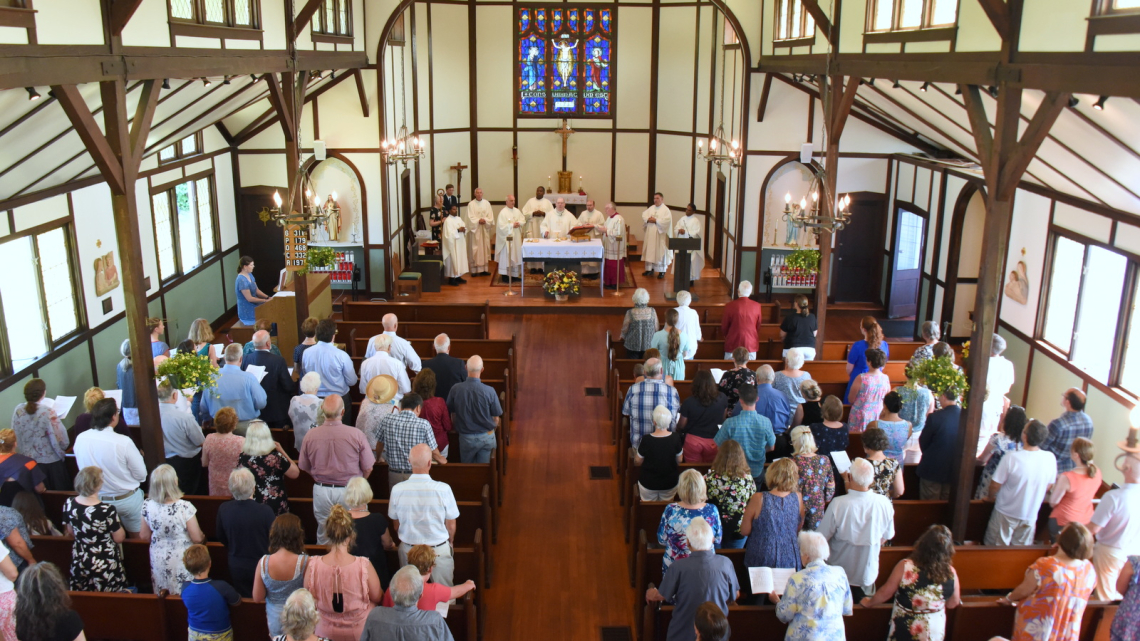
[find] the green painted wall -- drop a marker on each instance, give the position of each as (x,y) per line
(69,375)
(377,270)
(107,355)
(196,297)
(10,397)
(229,273)
(1048,382)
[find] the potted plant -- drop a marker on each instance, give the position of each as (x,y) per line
(318,257)
(804,261)
(562,283)
(188,371)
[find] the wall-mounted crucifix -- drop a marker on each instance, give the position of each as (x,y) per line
(565,131)
(458,169)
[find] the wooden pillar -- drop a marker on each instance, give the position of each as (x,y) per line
(118,154)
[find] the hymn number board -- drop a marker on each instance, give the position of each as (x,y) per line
(565,61)
(296,247)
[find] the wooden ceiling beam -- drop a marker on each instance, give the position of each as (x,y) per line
(843,108)
(979,122)
(120,14)
(1030,141)
(998,13)
(268,119)
(821,20)
(144,116)
(93,139)
(356,73)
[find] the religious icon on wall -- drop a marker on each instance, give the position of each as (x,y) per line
(565,57)
(1017,285)
(106,274)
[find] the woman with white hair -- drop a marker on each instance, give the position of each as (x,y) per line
(299,618)
(658,455)
(170,526)
(304,409)
(817,484)
(789,379)
(243,527)
(692,503)
(816,598)
(270,466)
(639,326)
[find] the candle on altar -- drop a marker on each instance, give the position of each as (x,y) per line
(579,183)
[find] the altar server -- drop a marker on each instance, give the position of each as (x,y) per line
(658,221)
(454,247)
(592,217)
(690,227)
(615,243)
(509,225)
(535,211)
(481,222)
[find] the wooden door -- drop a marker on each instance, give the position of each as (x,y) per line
(263,242)
(718,223)
(906,266)
(858,252)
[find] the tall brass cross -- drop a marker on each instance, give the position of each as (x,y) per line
(565,131)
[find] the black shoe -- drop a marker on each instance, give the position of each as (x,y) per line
(452,282)
(504,279)
(660,275)
(647,273)
(461,281)
(691,284)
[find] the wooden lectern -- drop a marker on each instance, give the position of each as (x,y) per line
(314,299)
(682,264)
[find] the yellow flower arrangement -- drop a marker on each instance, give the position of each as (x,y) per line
(561,281)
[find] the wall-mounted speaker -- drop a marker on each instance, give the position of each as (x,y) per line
(319,150)
(805,153)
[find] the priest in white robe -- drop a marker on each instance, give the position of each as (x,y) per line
(658,221)
(615,242)
(595,218)
(481,222)
(559,222)
(454,242)
(690,227)
(509,225)
(535,211)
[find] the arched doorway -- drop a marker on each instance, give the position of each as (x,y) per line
(963,260)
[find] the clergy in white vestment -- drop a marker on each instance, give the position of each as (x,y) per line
(615,242)
(690,227)
(509,225)
(481,222)
(533,229)
(592,217)
(658,221)
(454,242)
(559,222)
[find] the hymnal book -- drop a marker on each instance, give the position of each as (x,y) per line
(767,580)
(842,461)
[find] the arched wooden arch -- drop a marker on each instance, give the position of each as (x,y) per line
(954,250)
(311,163)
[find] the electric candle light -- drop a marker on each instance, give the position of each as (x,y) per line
(788,198)
(277,198)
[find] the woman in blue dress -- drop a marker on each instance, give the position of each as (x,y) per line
(248,295)
(857,355)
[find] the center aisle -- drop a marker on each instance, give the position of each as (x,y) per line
(560,565)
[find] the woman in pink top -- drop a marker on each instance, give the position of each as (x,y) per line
(220,451)
(423,557)
(867,392)
(1074,491)
(345,587)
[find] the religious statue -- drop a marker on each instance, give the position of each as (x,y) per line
(791,232)
(333,222)
(565,59)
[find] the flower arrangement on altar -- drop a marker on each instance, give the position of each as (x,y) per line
(188,371)
(561,282)
(939,374)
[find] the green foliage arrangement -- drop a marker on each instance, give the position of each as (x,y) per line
(804,260)
(188,371)
(318,257)
(561,281)
(939,374)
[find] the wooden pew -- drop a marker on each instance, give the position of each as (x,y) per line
(415,312)
(828,374)
(349,331)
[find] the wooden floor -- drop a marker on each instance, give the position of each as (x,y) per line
(560,571)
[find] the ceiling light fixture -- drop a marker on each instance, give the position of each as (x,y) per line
(33,95)
(1099,104)
(958,90)
(205,82)
(924,87)
(1073,102)
(225,80)
(896,85)
(166,83)
(253,77)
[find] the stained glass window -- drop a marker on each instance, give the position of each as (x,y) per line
(565,61)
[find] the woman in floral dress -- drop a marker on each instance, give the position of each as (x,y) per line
(1006,439)
(170,526)
(732,380)
(270,466)
(817,484)
(96,562)
(730,486)
(923,586)
(888,472)
(692,497)
(1052,598)
(1126,623)
(867,392)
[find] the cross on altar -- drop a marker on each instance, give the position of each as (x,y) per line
(565,131)
(458,169)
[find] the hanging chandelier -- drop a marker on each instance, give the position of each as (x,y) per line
(812,217)
(313,211)
(720,150)
(405,148)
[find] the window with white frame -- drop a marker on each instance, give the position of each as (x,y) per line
(184,224)
(38,295)
(225,13)
(792,21)
(898,15)
(334,18)
(187,147)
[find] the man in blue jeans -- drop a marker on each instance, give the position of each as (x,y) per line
(475,413)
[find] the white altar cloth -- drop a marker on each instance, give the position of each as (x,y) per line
(543,249)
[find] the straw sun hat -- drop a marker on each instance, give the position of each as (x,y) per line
(381,389)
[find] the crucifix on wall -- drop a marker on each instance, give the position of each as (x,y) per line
(564,176)
(458,169)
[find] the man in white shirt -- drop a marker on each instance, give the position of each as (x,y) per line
(401,349)
(1019,486)
(381,362)
(1116,525)
(509,225)
(592,217)
(481,222)
(690,227)
(658,222)
(688,320)
(856,526)
(999,379)
(122,465)
(535,211)
(423,512)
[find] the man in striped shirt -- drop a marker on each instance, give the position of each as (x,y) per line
(423,512)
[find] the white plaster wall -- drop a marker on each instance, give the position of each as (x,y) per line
(40,212)
(1029,231)
(146,231)
(450,75)
(676,68)
(494,65)
(69,22)
(227,208)
(148,26)
(633,52)
(95,234)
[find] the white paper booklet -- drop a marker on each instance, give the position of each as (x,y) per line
(842,461)
(716,374)
(256,370)
(766,580)
(62,405)
(116,394)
